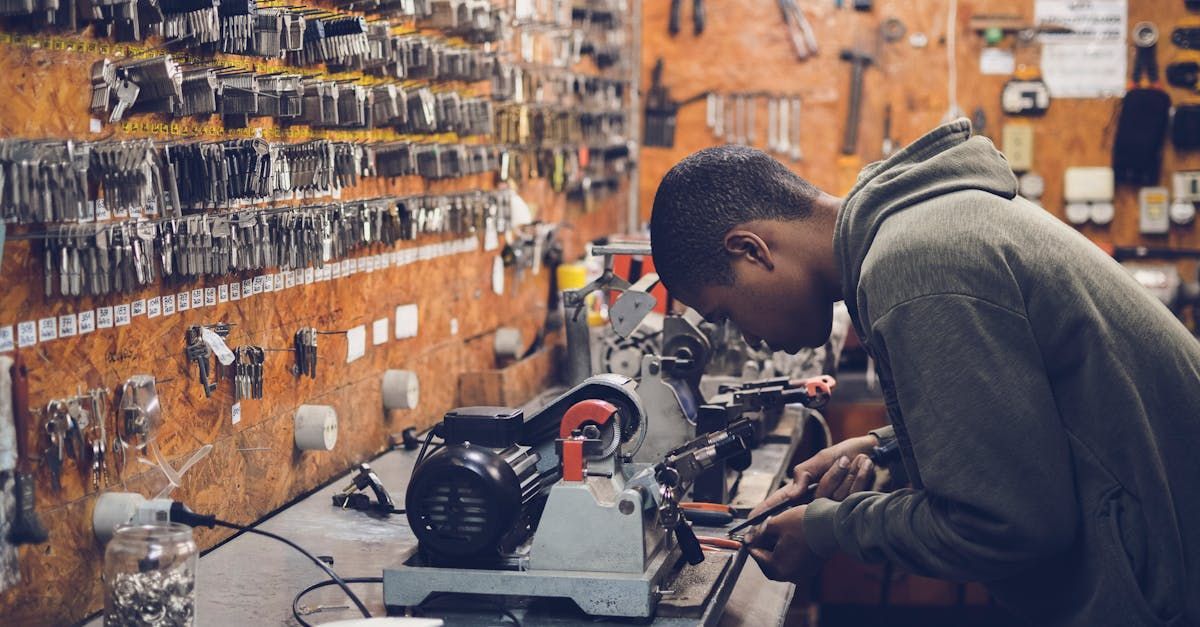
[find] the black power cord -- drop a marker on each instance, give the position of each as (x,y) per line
(435,431)
(324,584)
(181,514)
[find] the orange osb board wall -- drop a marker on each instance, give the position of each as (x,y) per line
(745,48)
(254,466)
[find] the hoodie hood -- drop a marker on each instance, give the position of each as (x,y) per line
(946,160)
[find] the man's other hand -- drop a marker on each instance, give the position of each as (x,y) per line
(781,550)
(842,469)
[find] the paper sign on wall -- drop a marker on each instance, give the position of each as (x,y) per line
(1090,61)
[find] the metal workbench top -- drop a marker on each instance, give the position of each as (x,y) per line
(251,580)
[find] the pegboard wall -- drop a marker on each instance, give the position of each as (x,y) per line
(557,138)
(745,48)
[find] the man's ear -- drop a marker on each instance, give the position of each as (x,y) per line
(748,246)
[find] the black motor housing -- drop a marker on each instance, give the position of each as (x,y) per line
(470,504)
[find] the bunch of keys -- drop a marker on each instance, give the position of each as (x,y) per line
(58,424)
(306,352)
(248,372)
(75,428)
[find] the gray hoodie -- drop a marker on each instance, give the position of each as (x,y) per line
(1048,408)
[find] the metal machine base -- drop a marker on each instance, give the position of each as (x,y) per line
(596,593)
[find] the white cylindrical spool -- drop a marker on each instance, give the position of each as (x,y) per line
(316,428)
(401,389)
(508,343)
(112,510)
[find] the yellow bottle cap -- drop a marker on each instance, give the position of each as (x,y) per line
(571,276)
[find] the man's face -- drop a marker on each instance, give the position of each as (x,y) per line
(785,307)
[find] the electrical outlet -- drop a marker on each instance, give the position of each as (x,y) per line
(1187,186)
(1154,203)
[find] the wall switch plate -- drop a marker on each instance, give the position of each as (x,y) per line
(1017,142)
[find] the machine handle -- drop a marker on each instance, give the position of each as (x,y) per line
(688,544)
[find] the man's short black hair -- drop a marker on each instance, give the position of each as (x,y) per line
(705,196)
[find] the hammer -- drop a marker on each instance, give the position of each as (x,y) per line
(859,61)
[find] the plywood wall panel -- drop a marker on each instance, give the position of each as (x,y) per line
(744,48)
(253,467)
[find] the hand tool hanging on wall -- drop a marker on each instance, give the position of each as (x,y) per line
(697,17)
(661,112)
(1142,125)
(849,162)
(889,144)
(26,528)
(800,31)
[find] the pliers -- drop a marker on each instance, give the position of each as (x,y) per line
(697,16)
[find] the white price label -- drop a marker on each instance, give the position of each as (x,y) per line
(247,288)
(168,305)
(197,298)
(138,307)
(236,413)
(122,315)
(289,279)
(47,329)
(379,331)
(26,334)
(278,282)
(7,341)
(67,325)
(308,275)
(104,317)
(406,321)
(258,284)
(210,296)
(154,307)
(356,343)
(184,301)
(223,293)
(87,321)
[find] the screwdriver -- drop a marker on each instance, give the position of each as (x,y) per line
(881,455)
(774,511)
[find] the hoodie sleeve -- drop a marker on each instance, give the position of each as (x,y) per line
(996,482)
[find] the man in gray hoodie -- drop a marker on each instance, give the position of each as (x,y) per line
(1047,407)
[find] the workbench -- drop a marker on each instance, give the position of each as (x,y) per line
(251,580)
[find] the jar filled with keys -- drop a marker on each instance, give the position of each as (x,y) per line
(150,576)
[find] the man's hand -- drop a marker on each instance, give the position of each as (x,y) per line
(842,469)
(781,550)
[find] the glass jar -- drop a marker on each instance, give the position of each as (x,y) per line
(150,576)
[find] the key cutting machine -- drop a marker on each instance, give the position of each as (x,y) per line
(508,507)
